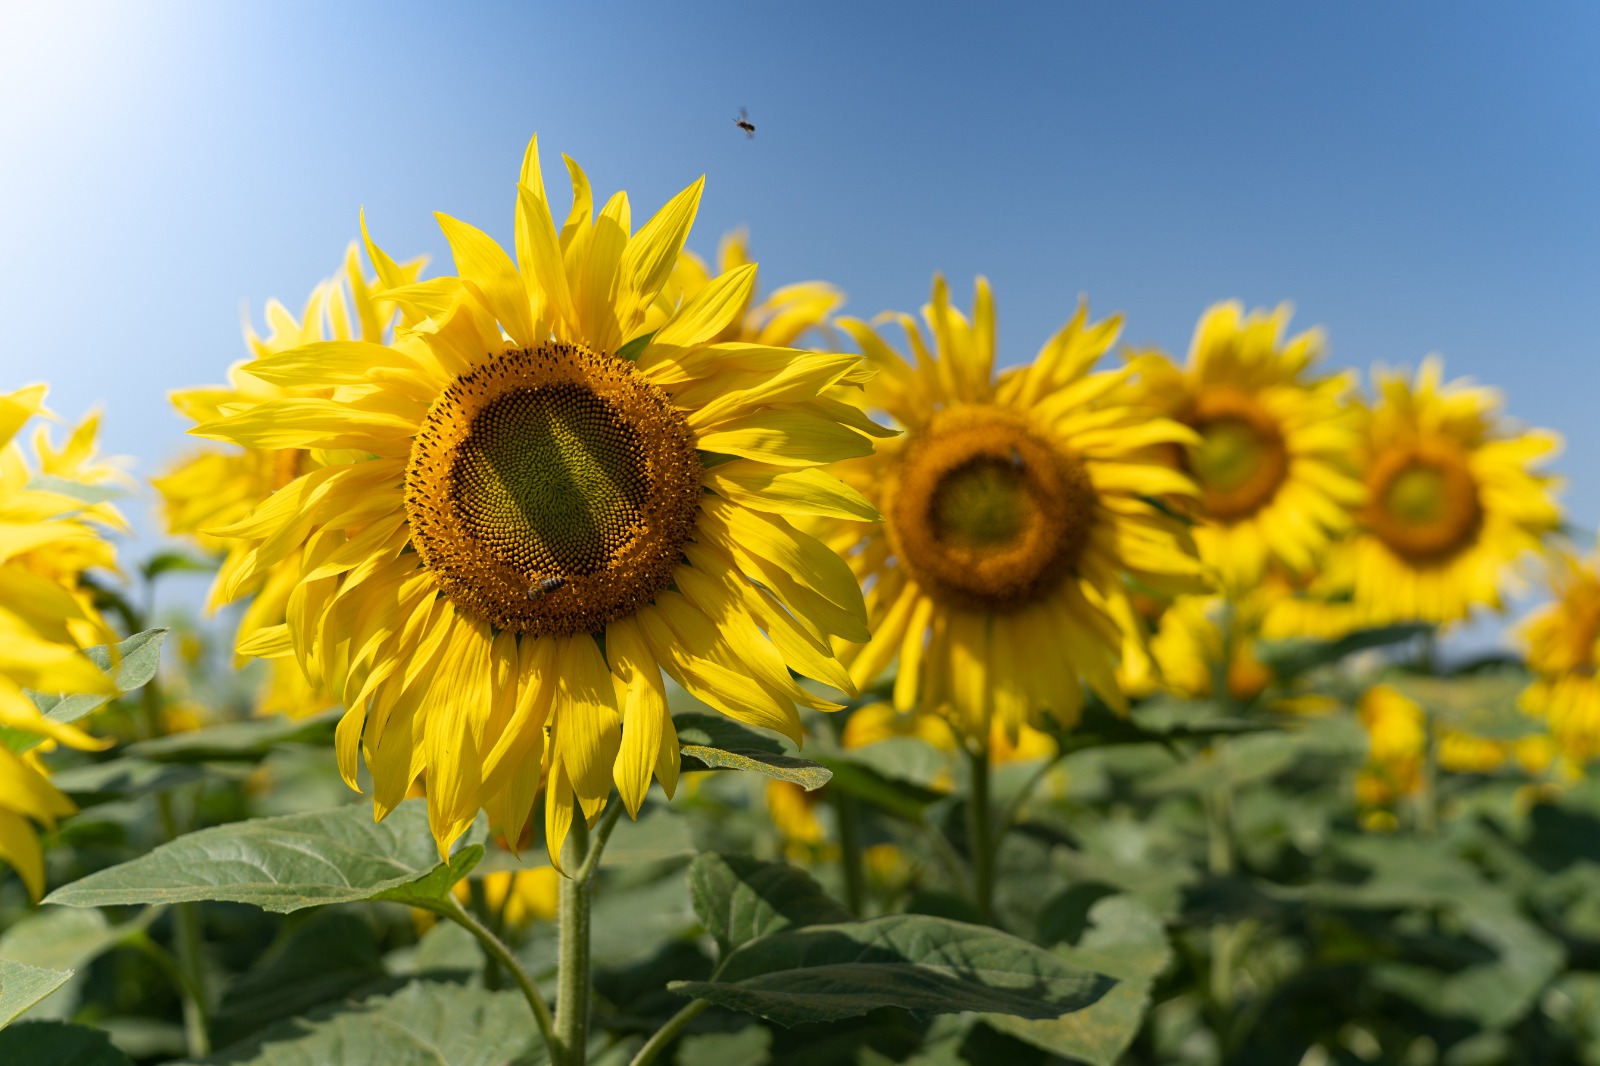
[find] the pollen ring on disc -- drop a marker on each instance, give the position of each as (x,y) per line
(552,489)
(989,513)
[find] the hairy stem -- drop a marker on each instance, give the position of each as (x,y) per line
(668,1032)
(451,908)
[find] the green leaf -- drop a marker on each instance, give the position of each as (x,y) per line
(750,1046)
(918,962)
(59,1044)
(740,899)
(137,660)
(174,563)
(1125,940)
(633,348)
(715,742)
(21,986)
(320,960)
(1291,658)
(803,772)
(718,731)
(123,778)
(284,864)
(424,1024)
(64,938)
(238,741)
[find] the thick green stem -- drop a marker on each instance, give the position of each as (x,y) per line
(451,908)
(581,855)
(850,857)
(668,1032)
(980,836)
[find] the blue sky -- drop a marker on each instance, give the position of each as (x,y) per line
(1414,177)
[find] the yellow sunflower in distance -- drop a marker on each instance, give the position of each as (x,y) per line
(1273,454)
(1013,508)
(538,506)
(1562,639)
(214,488)
(1453,500)
(51,531)
(780,319)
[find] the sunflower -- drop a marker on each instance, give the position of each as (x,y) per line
(531,506)
(1272,454)
(1012,508)
(1453,500)
(1562,640)
(53,521)
(779,320)
(214,488)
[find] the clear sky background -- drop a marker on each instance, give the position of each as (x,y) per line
(1415,177)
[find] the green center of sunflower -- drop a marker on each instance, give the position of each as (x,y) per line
(551,490)
(1241,458)
(1416,496)
(552,480)
(988,512)
(981,504)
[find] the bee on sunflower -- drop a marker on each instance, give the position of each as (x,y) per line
(533,505)
(1274,440)
(53,526)
(215,487)
(1454,499)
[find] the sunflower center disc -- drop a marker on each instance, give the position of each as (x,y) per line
(551,479)
(1241,459)
(1424,501)
(551,490)
(988,513)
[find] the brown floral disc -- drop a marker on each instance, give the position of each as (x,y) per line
(552,489)
(989,513)
(1241,458)
(1423,500)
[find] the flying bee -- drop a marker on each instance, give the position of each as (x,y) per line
(744,123)
(545,587)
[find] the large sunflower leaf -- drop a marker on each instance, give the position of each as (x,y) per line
(63,938)
(740,899)
(424,1024)
(1125,940)
(915,961)
(21,986)
(137,660)
(59,1044)
(287,863)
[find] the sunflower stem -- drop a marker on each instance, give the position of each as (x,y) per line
(850,856)
(669,1032)
(451,908)
(581,855)
(980,827)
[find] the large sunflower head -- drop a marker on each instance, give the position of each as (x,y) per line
(1454,498)
(216,487)
(534,502)
(1013,508)
(1272,445)
(1562,640)
(53,525)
